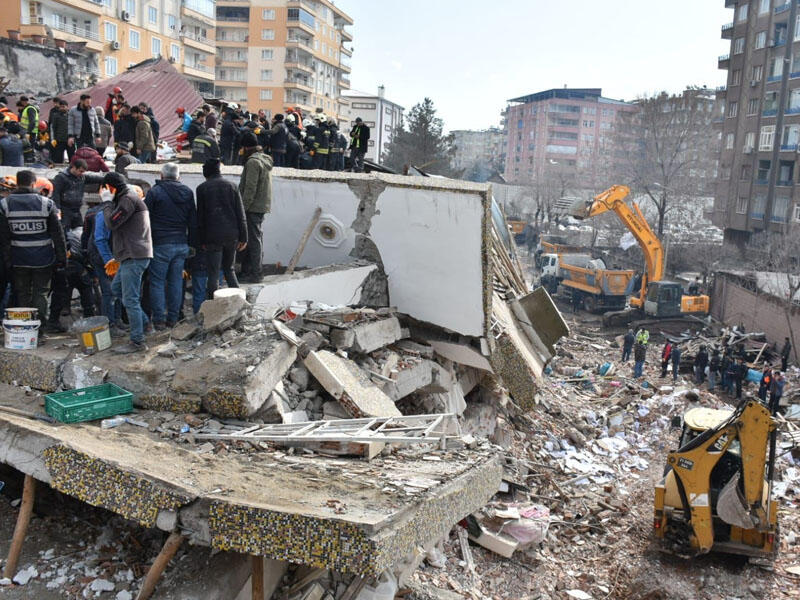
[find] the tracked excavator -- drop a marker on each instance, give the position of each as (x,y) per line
(656,298)
(717,486)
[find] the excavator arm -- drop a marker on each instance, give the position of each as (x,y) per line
(613,199)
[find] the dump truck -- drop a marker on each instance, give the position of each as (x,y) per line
(717,485)
(596,288)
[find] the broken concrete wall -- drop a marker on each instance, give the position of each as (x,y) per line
(41,71)
(428,234)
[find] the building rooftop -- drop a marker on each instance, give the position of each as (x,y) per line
(367,95)
(567,94)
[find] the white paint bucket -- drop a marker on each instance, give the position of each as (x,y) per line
(21,335)
(229,293)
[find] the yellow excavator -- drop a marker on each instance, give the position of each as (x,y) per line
(717,486)
(656,297)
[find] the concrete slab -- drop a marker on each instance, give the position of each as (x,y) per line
(343,380)
(39,369)
(462,354)
(367,336)
(408,380)
(347,515)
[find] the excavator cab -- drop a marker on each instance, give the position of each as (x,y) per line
(663,299)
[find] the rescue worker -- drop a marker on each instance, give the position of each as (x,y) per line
(341,147)
(359,142)
(776,392)
(185,120)
(124,126)
(666,353)
(195,127)
(113,103)
(227,136)
(28,117)
(293,146)
(255,187)
(31,241)
(10,146)
(700,364)
(83,128)
(713,369)
(205,146)
(764,384)
(42,145)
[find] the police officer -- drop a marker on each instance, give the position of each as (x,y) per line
(32,241)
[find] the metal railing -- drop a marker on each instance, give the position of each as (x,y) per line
(309,5)
(724,57)
(79,31)
(235,19)
(300,41)
(198,67)
(197,38)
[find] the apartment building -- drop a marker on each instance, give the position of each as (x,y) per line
(277,53)
(124,32)
(479,154)
(565,127)
(381,115)
(760,120)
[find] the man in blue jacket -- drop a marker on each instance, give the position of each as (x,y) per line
(173,222)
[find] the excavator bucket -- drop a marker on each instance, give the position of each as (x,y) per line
(731,505)
(580,209)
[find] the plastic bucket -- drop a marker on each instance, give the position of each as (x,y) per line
(21,335)
(22,314)
(93,334)
(229,292)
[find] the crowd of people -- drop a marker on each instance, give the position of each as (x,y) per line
(728,367)
(291,140)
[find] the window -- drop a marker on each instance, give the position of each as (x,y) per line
(761,40)
(750,140)
(780,209)
(752,106)
(785,174)
(779,37)
(758,72)
(791,137)
(130,7)
(110,32)
(110,66)
(265,94)
(741,13)
(267,34)
(794,101)
(733,109)
(797,213)
(741,205)
(133,39)
(767,138)
(760,202)
(736,77)
(369,106)
(589,110)
(738,45)
(268,14)
(155,47)
(588,123)
(175,52)
(745,176)
(775,69)
(563,135)
(266,54)
(796,30)
(266,74)
(763,171)
(152,15)
(770,103)
(172,22)
(763,6)
(729,142)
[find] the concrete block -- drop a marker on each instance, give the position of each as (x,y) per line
(39,369)
(462,354)
(300,376)
(350,386)
(297,416)
(409,379)
(334,410)
(368,336)
(79,372)
(221,313)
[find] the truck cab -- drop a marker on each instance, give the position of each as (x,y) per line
(663,299)
(548,265)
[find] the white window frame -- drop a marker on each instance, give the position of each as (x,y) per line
(766,138)
(736,77)
(757,72)
(760,40)
(153,46)
(738,45)
(265,95)
(733,110)
(108,25)
(779,212)
(741,13)
(797,213)
(152,15)
(266,75)
(752,106)
(130,7)
(267,54)
(175,52)
(134,34)
(764,7)
(268,34)
(741,205)
(267,14)
(110,60)
(750,140)
(729,141)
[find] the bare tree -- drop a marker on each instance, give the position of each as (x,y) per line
(668,148)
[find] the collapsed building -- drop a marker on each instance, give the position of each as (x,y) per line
(407,319)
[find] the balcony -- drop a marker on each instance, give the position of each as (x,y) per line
(345,50)
(90,6)
(727,31)
(292,63)
(309,6)
(793,110)
(295,25)
(198,41)
(769,112)
(295,42)
(782,8)
(346,35)
(199,10)
(730,3)
(345,68)
(344,83)
(784,183)
(724,61)
(773,78)
(233,14)
(721,91)
(788,148)
(758,216)
(201,71)
(298,84)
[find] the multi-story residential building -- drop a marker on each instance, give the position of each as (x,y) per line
(382,116)
(760,123)
(566,127)
(125,32)
(479,154)
(277,53)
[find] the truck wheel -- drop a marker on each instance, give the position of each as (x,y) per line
(589,304)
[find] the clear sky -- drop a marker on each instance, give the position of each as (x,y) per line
(470,57)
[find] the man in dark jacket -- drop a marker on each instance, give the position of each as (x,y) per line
(124,157)
(196,127)
(128,219)
(76,276)
(173,220)
(359,142)
(83,126)
(221,225)
(700,364)
(714,364)
(675,356)
(278,136)
(205,146)
(666,352)
(68,192)
(59,133)
(227,137)
(785,352)
(124,126)
(255,186)
(10,146)
(639,356)
(31,242)
(147,110)
(627,345)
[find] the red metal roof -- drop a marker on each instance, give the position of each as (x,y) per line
(153,81)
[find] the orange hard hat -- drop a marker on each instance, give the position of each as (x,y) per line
(9,182)
(43,186)
(42,125)
(117,90)
(180,110)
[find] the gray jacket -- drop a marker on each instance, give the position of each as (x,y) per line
(129,221)
(75,121)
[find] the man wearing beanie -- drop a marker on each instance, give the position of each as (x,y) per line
(255,187)
(221,225)
(132,245)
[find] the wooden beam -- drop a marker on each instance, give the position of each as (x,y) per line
(23,519)
(303,241)
(257,574)
(169,549)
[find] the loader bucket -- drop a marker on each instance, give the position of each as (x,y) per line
(731,505)
(580,209)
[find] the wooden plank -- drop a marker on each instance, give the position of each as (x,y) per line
(257,577)
(23,519)
(171,546)
(303,241)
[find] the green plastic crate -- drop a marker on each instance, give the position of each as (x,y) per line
(89,403)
